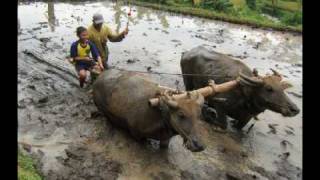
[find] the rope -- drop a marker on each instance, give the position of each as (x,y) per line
(159,73)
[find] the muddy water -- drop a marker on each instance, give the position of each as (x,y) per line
(60,125)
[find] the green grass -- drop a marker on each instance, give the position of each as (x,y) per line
(26,168)
(285,5)
(238,3)
(240,14)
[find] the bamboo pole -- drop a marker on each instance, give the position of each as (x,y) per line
(210,90)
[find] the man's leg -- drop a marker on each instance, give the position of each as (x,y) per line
(105,63)
(105,60)
(95,72)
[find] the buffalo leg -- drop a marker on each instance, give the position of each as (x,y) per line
(214,116)
(221,120)
(164,144)
(209,114)
(188,83)
(241,123)
(137,136)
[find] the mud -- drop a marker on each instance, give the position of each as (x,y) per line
(60,125)
(82,163)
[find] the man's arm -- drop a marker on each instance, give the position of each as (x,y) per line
(96,55)
(114,37)
(100,63)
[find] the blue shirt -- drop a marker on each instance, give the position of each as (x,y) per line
(93,49)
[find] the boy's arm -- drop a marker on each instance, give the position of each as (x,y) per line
(78,58)
(73,52)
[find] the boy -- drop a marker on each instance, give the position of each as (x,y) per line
(80,54)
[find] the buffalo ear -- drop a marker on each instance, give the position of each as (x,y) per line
(189,94)
(286,85)
(255,72)
(250,81)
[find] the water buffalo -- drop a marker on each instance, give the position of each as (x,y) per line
(248,99)
(123,98)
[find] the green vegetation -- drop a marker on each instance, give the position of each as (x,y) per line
(251,4)
(26,168)
(286,14)
(294,19)
(217,5)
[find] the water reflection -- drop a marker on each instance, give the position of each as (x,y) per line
(118,14)
(201,23)
(19,26)
(51,16)
(163,20)
(139,13)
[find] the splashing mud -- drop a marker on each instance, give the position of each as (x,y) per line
(60,125)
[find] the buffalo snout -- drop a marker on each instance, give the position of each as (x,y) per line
(195,145)
(293,110)
(290,110)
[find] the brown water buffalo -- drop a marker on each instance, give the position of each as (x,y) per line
(244,102)
(123,98)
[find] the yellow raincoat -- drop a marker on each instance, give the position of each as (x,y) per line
(100,39)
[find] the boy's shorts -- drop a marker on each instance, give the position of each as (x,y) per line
(84,65)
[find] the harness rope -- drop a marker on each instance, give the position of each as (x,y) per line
(159,73)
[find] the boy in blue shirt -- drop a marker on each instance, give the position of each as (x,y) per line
(80,54)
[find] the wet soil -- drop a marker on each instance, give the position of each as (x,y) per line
(60,125)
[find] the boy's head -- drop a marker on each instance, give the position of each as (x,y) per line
(82,33)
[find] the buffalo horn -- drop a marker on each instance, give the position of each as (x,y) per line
(249,80)
(276,73)
(169,101)
(172,103)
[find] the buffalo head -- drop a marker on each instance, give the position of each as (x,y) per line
(268,92)
(183,116)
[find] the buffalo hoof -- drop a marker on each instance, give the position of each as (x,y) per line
(238,125)
(164,144)
(221,124)
(210,115)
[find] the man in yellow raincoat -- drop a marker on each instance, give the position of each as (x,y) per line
(100,33)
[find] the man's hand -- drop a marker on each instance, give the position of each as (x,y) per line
(126,31)
(100,63)
(101,66)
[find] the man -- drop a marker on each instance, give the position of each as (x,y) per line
(99,33)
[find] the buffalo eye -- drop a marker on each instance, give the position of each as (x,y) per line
(181,115)
(269,89)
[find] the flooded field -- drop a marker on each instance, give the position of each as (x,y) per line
(60,125)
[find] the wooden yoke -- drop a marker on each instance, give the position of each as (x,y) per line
(210,90)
